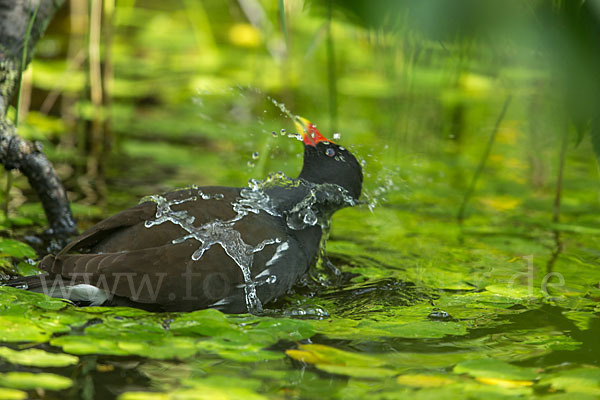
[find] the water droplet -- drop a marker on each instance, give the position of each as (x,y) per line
(306,311)
(330,152)
(255,155)
(440,315)
(337,136)
(283,131)
(296,136)
(250,164)
(274,134)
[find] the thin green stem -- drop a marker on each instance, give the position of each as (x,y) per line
(484,157)
(331,75)
(283,23)
(559,178)
(24,57)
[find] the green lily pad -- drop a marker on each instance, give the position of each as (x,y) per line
(144,396)
(200,392)
(21,329)
(322,354)
(241,352)
(208,322)
(578,380)
(28,380)
(12,296)
(495,369)
(519,292)
(376,330)
(358,372)
(419,329)
(37,358)
(16,249)
(151,346)
(12,394)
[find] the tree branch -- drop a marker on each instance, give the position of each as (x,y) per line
(16,152)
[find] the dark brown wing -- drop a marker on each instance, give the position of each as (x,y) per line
(124,257)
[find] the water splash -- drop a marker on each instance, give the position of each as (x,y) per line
(282,108)
(315,205)
(387,181)
(215,232)
(312,204)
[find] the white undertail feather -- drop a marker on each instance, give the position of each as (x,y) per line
(82,292)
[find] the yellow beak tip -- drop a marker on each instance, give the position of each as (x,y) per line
(302,124)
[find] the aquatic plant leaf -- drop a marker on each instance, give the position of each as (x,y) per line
(271,330)
(376,330)
(495,369)
(358,372)
(242,352)
(13,296)
(222,381)
(25,269)
(209,322)
(141,395)
(418,329)
(201,392)
(151,346)
(519,292)
(28,380)
(12,394)
(578,380)
(37,358)
(421,380)
(21,329)
(16,249)
(320,354)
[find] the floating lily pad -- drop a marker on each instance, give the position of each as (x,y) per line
(242,352)
(358,372)
(201,392)
(151,346)
(374,330)
(12,394)
(14,296)
(335,361)
(145,396)
(37,358)
(495,369)
(518,292)
(28,380)
(421,380)
(578,380)
(21,329)
(321,354)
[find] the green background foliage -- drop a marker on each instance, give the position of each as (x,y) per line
(503,304)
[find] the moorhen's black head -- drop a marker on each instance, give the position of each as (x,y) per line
(328,162)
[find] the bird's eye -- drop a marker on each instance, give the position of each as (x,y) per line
(330,152)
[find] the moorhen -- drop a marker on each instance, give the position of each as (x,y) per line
(233,249)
